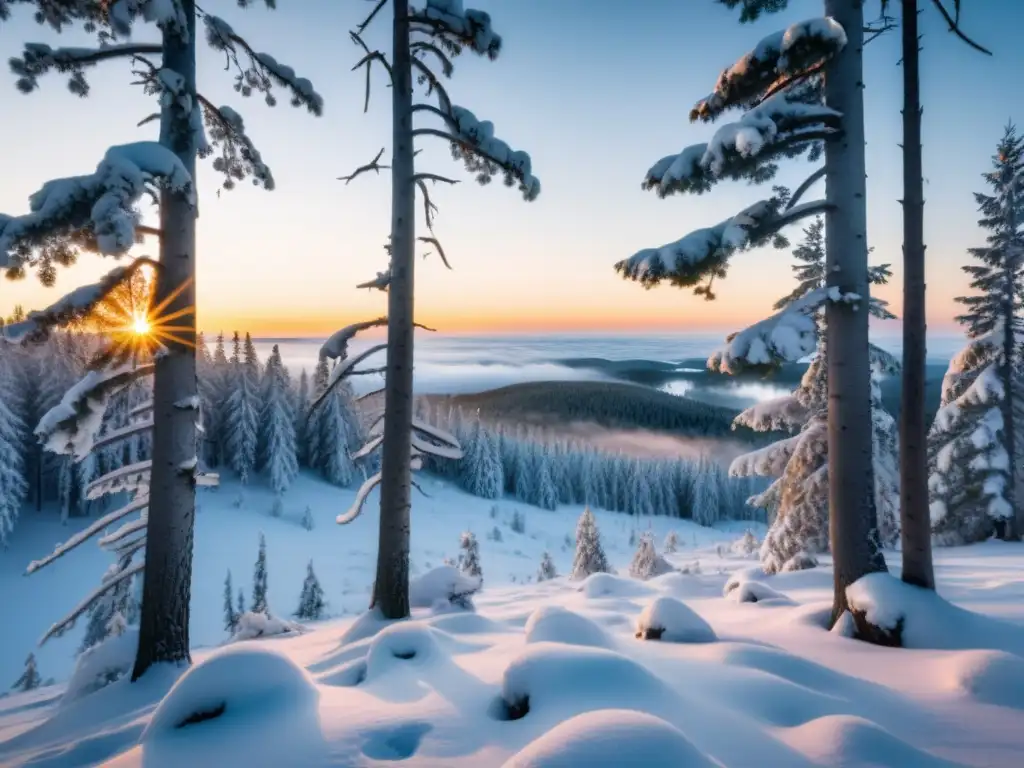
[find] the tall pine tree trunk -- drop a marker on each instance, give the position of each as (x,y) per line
(1015,527)
(167,578)
(915,521)
(853,526)
(391,590)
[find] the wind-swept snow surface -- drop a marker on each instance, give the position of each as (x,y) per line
(532,674)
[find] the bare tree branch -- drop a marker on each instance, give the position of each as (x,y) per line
(954,25)
(367,61)
(440,251)
(380,282)
(366,22)
(804,186)
(374,165)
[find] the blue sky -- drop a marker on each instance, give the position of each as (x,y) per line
(595,90)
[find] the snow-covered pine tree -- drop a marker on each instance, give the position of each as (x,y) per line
(30,679)
(277,429)
(671,542)
(469,558)
(13,483)
(706,498)
(589,557)
(259,580)
(440,28)
(647,563)
(798,496)
(547,570)
(641,502)
(302,401)
(230,617)
(802,88)
(311,600)
(974,439)
(336,462)
(307,519)
(546,495)
(240,603)
(314,415)
(104,218)
(218,387)
(241,416)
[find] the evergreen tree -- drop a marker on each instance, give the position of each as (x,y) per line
(307,519)
(671,542)
(314,422)
(240,604)
(546,495)
(647,563)
(230,617)
(30,678)
(973,442)
(259,580)
(641,502)
(547,568)
(469,558)
(302,403)
(336,463)
(13,483)
(590,557)
(706,498)
(311,600)
(277,428)
(241,416)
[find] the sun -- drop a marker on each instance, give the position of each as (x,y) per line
(141,325)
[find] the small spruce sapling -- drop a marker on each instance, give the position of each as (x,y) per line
(259,580)
(671,542)
(632,537)
(30,678)
(230,617)
(469,559)
(495,534)
(547,568)
(518,523)
(240,608)
(307,519)
(311,600)
(647,563)
(749,543)
(590,557)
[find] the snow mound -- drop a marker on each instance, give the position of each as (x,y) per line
(102,664)
(668,619)
(557,681)
(611,737)
(444,584)
(465,624)
(399,643)
(609,585)
(991,677)
(758,592)
(366,625)
(847,740)
(235,683)
(742,576)
(252,625)
(924,620)
(552,623)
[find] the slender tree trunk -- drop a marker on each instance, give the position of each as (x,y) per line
(167,577)
(915,520)
(391,590)
(1015,526)
(853,520)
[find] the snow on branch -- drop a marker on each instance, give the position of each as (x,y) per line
(125,432)
(71,426)
(475,144)
(457,27)
(783,124)
(141,409)
(704,253)
(336,347)
(780,413)
(131,477)
(786,336)
(103,203)
(107,586)
(787,55)
(115,537)
(73,306)
(263,71)
(769,461)
(39,59)
(136,504)
(357,504)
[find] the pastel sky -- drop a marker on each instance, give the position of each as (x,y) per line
(595,90)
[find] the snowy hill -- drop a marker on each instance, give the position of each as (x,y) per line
(546,674)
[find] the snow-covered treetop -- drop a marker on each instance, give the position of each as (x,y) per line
(782,57)
(785,123)
(787,336)
(75,305)
(102,204)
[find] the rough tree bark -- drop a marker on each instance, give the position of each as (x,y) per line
(167,577)
(915,521)
(391,589)
(853,521)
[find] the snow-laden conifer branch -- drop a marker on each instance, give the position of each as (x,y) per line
(141,409)
(262,71)
(107,586)
(131,477)
(336,346)
(456,27)
(769,461)
(117,435)
(361,495)
(239,158)
(369,447)
(36,327)
(119,534)
(126,549)
(71,426)
(136,504)
(783,125)
(39,59)
(101,204)
(780,413)
(705,253)
(786,336)
(781,55)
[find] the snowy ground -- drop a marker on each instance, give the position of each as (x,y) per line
(774,689)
